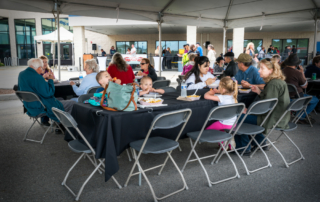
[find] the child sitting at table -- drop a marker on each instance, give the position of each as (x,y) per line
(103,79)
(146,86)
(229,94)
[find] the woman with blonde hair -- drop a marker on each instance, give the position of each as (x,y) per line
(120,69)
(275,87)
(250,49)
(46,68)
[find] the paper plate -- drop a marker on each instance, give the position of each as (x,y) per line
(194,98)
(147,103)
(139,77)
(244,90)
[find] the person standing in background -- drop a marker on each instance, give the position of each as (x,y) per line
(199,48)
(168,58)
(187,48)
(261,54)
(128,51)
(156,52)
(133,49)
(103,53)
(112,50)
(211,55)
(293,50)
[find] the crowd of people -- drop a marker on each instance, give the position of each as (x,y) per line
(268,79)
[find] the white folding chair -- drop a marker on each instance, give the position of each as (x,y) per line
(224,112)
(298,105)
(77,146)
(261,107)
(26,96)
(159,145)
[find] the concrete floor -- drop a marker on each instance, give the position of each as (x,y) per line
(34,172)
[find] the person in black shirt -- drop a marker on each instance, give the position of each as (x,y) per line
(112,50)
(293,50)
(232,67)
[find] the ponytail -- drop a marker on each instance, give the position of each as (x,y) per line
(235,91)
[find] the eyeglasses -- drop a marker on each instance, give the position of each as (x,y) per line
(143,63)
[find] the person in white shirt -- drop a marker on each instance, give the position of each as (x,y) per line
(211,55)
(199,76)
(133,49)
(229,94)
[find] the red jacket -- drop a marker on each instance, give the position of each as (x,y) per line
(125,77)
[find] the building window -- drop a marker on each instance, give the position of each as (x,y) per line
(25,33)
(4,39)
(257,44)
(173,45)
(141,46)
(302,45)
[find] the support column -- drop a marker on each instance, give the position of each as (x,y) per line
(38,33)
(13,45)
(79,45)
(238,40)
(192,35)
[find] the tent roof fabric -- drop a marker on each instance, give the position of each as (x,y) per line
(206,13)
(65,36)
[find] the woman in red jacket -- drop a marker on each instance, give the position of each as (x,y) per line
(120,69)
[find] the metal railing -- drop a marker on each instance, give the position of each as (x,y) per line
(11,61)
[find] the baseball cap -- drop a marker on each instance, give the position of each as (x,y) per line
(243,57)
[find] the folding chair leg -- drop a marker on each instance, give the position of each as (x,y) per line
(128,155)
(284,160)
(25,136)
(305,111)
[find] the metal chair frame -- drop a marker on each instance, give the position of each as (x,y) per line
(68,121)
(92,88)
(252,106)
(291,107)
(137,157)
(292,88)
(161,81)
(35,118)
(223,147)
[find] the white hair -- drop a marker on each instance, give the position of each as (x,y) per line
(92,65)
(35,63)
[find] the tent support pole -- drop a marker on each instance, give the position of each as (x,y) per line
(160,48)
(315,33)
(59,62)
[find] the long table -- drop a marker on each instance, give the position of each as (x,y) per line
(111,132)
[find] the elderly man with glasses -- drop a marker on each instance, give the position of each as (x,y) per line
(31,80)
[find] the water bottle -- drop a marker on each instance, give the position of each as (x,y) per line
(80,77)
(183,89)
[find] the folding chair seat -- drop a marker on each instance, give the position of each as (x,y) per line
(160,145)
(256,108)
(299,105)
(25,96)
(85,149)
(224,112)
(292,89)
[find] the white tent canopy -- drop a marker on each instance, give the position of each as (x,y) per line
(65,36)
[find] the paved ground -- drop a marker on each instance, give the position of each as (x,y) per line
(34,172)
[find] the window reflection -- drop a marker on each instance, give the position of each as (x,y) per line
(25,32)
(141,46)
(5,50)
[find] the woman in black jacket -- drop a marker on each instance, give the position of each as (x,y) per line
(147,69)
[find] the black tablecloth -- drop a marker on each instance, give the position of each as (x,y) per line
(111,132)
(64,90)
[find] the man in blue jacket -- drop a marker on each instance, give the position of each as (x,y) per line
(30,80)
(199,48)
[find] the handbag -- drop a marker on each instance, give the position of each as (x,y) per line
(120,97)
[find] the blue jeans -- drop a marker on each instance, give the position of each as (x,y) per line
(243,140)
(312,104)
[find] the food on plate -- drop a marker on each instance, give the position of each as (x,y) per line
(139,73)
(193,96)
(151,100)
(244,89)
